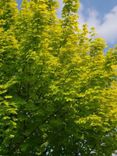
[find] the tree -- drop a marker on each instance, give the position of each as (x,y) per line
(8,68)
(59,95)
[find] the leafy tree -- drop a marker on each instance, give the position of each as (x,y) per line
(58,88)
(8,68)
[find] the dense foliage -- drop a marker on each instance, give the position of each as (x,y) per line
(58,89)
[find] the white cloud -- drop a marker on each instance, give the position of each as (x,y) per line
(105,27)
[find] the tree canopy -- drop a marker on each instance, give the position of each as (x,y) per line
(58,88)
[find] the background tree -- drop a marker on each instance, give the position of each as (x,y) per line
(58,87)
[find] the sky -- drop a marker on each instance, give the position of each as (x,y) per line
(101,14)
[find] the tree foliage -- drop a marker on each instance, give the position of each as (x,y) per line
(58,88)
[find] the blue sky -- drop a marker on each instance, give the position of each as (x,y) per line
(101,14)
(19,1)
(103,6)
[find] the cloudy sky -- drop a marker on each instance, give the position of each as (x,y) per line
(101,14)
